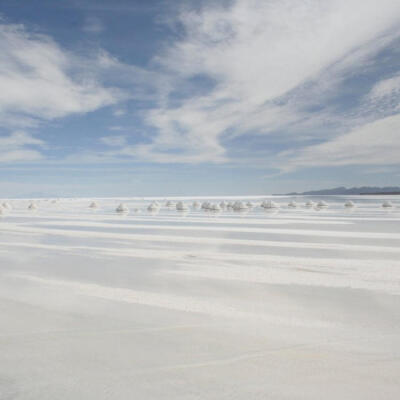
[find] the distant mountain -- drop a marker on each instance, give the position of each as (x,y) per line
(352,191)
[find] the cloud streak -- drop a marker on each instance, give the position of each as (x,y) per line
(265,66)
(376,143)
(40,81)
(20,147)
(282,73)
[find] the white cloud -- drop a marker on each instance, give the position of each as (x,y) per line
(18,147)
(119,112)
(252,53)
(19,138)
(41,81)
(384,97)
(114,141)
(93,25)
(386,87)
(376,143)
(259,67)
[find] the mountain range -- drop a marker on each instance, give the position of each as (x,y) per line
(341,190)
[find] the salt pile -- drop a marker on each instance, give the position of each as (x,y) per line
(180,206)
(122,208)
(310,203)
(196,204)
(222,205)
(215,207)
(349,204)
(269,204)
(154,206)
(169,203)
(387,204)
(239,206)
(205,205)
(93,204)
(7,206)
(32,206)
(322,203)
(292,204)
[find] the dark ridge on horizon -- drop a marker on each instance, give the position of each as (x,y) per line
(363,190)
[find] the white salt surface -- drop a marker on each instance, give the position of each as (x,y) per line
(289,303)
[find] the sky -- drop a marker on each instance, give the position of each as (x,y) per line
(219,97)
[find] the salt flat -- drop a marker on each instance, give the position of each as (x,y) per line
(292,303)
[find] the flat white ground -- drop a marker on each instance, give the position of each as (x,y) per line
(293,304)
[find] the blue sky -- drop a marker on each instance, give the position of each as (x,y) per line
(125,97)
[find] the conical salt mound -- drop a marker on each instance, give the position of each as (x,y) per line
(239,206)
(215,207)
(273,204)
(269,204)
(196,204)
(349,204)
(310,203)
(153,206)
(122,208)
(205,205)
(32,206)
(180,206)
(292,204)
(93,204)
(387,204)
(7,206)
(322,203)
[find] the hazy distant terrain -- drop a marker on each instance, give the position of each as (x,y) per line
(352,191)
(291,303)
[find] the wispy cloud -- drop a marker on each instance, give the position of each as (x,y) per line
(386,88)
(114,141)
(93,25)
(41,81)
(375,143)
(119,112)
(20,146)
(116,128)
(280,70)
(260,68)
